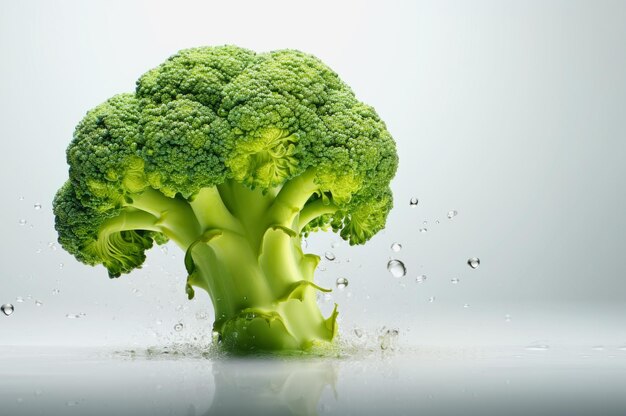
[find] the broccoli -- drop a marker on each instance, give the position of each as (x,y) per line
(234,156)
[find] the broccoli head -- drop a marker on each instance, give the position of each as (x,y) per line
(234,156)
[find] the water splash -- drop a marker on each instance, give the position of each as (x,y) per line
(421,278)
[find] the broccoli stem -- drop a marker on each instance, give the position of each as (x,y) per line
(292,198)
(258,278)
(262,300)
(130,219)
(314,210)
(243,248)
(175,216)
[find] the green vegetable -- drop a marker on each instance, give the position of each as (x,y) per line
(234,156)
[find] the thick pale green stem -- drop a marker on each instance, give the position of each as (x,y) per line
(291,199)
(249,207)
(260,281)
(227,269)
(175,217)
(131,219)
(210,211)
(314,210)
(243,247)
(263,301)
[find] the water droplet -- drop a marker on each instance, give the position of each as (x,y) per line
(507,318)
(413,202)
(22,221)
(358,332)
(56,291)
(328,297)
(21,198)
(72,316)
(329,256)
(454,281)
(424,222)
(598,348)
(537,347)
(164,249)
(423,230)
(473,262)
(431,299)
(159,322)
(388,338)
(437,222)
(7,309)
(201,315)
(341,283)
(305,243)
(37,206)
(396,268)
(216,337)
(622,348)
(178,327)
(61,265)
(453,213)
(38,303)
(245,298)
(421,278)
(335,244)
(396,247)
(466,305)
(19,299)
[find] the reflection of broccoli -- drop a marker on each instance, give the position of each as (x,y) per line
(234,156)
(270,387)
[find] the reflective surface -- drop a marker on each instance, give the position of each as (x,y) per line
(511,381)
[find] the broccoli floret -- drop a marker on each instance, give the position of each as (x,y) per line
(234,156)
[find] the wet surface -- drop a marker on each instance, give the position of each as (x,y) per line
(429,381)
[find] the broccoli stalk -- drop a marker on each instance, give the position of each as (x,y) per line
(233,156)
(243,248)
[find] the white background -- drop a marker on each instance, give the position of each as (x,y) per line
(511,113)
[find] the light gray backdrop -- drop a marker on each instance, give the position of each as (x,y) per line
(511,113)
